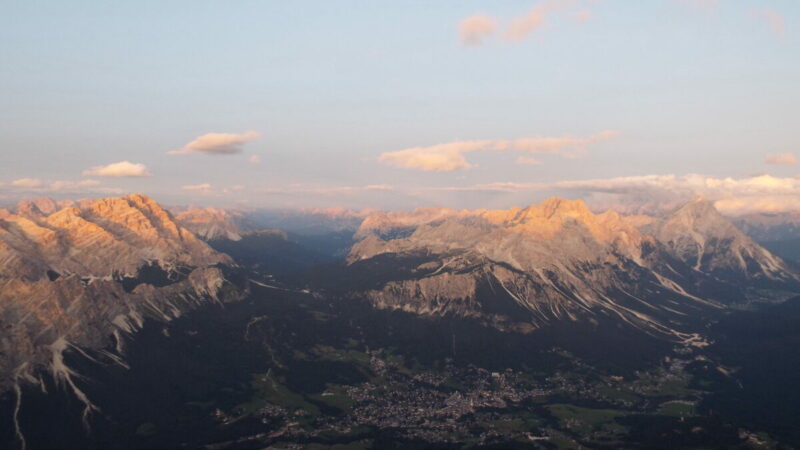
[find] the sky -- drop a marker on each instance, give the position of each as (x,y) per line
(635,105)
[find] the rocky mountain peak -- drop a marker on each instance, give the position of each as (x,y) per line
(114,235)
(86,273)
(699,235)
(213,223)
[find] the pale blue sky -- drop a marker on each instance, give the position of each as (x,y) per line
(691,86)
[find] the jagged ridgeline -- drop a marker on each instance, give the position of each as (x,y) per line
(523,268)
(82,276)
(78,280)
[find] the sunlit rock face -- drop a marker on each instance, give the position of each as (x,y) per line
(213,223)
(88,273)
(558,260)
(701,237)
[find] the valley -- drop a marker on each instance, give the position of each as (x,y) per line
(305,353)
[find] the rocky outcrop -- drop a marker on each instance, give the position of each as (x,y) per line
(111,237)
(557,260)
(701,237)
(214,223)
(85,276)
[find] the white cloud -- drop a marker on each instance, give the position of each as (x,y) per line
(197,187)
(450,156)
(27,183)
(473,30)
(120,169)
(772,18)
(653,194)
(255,159)
(217,144)
(785,159)
(649,193)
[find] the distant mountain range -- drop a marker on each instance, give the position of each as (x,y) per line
(525,267)
(85,276)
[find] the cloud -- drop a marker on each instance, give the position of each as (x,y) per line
(61,186)
(772,18)
(27,183)
(473,30)
(521,27)
(450,156)
(785,159)
(255,159)
(652,193)
(120,169)
(197,187)
(378,187)
(217,144)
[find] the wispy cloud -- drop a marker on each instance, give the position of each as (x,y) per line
(120,169)
(27,183)
(649,193)
(62,187)
(772,18)
(326,190)
(657,193)
(473,30)
(536,18)
(785,159)
(450,156)
(197,187)
(217,144)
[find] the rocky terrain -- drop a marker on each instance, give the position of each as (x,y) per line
(547,323)
(214,223)
(559,261)
(85,275)
(766,227)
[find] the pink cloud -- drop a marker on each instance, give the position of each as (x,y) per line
(118,170)
(450,156)
(785,159)
(473,30)
(217,144)
(521,27)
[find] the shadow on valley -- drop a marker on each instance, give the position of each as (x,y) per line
(760,351)
(310,366)
(198,379)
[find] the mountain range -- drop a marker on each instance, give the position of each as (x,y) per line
(557,260)
(83,277)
